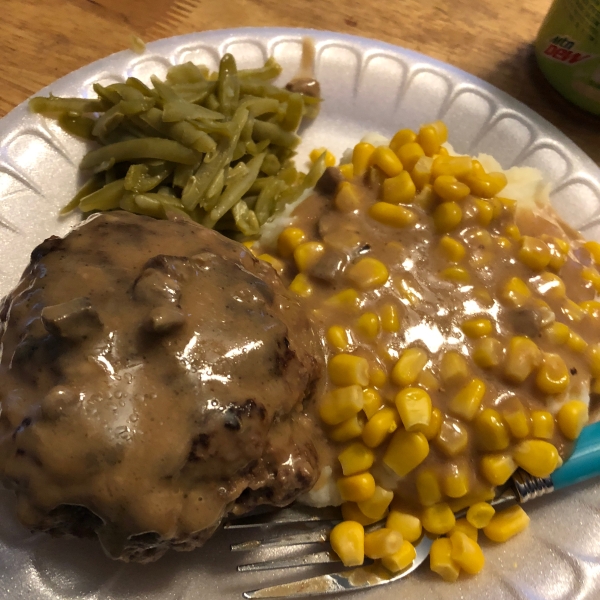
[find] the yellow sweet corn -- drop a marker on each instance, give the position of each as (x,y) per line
(537,457)
(351,512)
(274,262)
(406,451)
(348,197)
(347,540)
(512,232)
(534,253)
(453,368)
(377,376)
(452,249)
(457,166)
(497,468)
(557,333)
(593,356)
(522,357)
(409,154)
(576,343)
(542,424)
(347,369)
(404,136)
(592,276)
(449,189)
(591,307)
(456,483)
(428,487)
(467,401)
(506,524)
(438,519)
(480,514)
(356,488)
(377,505)
(466,553)
(476,328)
(289,239)
(457,274)
(440,560)
(385,158)
(421,176)
(447,216)
(338,337)
(379,426)
(361,158)
(452,438)
(347,430)
(368,325)
(392,214)
(594,249)
(485,212)
(389,316)
(399,190)
(488,353)
(347,300)
(356,458)
(414,407)
(307,255)
(409,366)
(572,418)
(491,432)
(429,139)
(347,170)
(465,527)
(517,418)
(301,286)
(341,404)
(428,381)
(553,375)
(515,292)
(400,560)
(434,426)
(383,542)
(367,273)
(572,311)
(408,525)
(502,242)
(372,401)
(485,185)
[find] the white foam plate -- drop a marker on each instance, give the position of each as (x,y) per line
(367,86)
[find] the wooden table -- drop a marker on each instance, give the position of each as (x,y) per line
(42,40)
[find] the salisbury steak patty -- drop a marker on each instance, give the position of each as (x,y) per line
(154,376)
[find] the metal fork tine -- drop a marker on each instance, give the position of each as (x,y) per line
(285,516)
(310,537)
(316,558)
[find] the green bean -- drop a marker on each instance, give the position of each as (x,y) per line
(149,206)
(135,83)
(108,121)
(187,72)
(293,114)
(239,151)
(110,97)
(225,129)
(105,165)
(142,148)
(135,107)
(265,203)
(93,184)
(228,86)
(260,106)
(212,102)
(264,130)
(266,90)
(270,70)
(271,165)
(234,191)
(164,199)
(77,125)
(140,180)
(238,171)
(165,91)
(196,92)
(182,174)
(179,110)
(52,104)
(110,174)
(245,219)
(106,198)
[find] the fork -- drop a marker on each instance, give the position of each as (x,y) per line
(314,525)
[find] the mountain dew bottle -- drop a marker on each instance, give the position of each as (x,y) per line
(568,51)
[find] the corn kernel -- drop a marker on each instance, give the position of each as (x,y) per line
(351,512)
(480,514)
(274,262)
(457,274)
(317,153)
(348,197)
(465,527)
(404,136)
(440,560)
(347,540)
(466,553)
(367,325)
(408,525)
(361,158)
(356,458)
(522,357)
(428,487)
(456,483)
(400,189)
(452,249)
(457,166)
(383,542)
(347,430)
(248,244)
(347,300)
(452,438)
(347,170)
(407,291)
(367,273)
(477,328)
(389,318)
(301,286)
(553,376)
(576,343)
(557,333)
(341,404)
(406,451)
(428,381)
(591,307)
(409,366)
(379,426)
(347,370)
(387,161)
(550,285)
(491,432)
(429,139)
(289,239)
(392,214)
(421,176)
(498,468)
(449,189)
(467,401)
(593,356)
(488,352)
(414,407)
(338,337)
(515,292)
(441,130)
(542,424)
(447,216)
(485,212)
(377,505)
(372,402)
(502,242)
(434,426)
(517,418)
(594,249)
(483,297)
(438,519)
(512,232)
(307,255)
(572,311)
(534,253)
(539,458)
(506,524)
(571,418)
(592,276)
(401,559)
(485,185)
(377,376)
(356,488)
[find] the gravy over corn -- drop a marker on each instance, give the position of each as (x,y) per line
(461,331)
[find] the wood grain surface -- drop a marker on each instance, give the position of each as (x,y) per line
(42,40)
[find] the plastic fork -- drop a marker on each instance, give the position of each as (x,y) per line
(312,526)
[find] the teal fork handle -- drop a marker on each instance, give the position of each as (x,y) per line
(584,463)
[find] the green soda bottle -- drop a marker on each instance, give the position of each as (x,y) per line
(568,51)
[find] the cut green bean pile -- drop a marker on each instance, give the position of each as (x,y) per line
(215,146)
